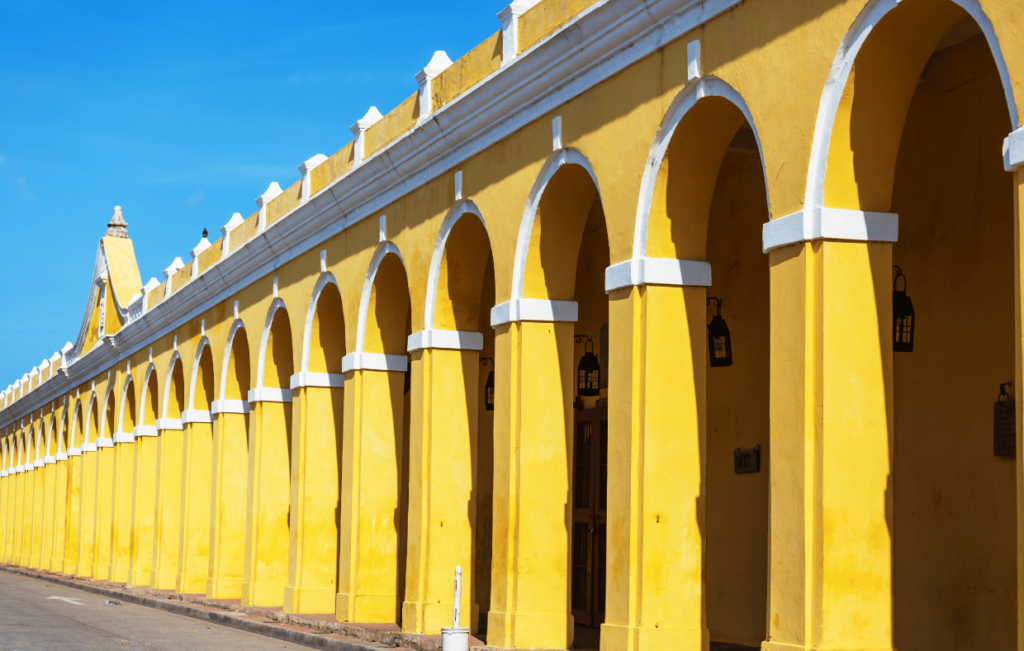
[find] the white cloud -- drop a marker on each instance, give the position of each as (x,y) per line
(197,198)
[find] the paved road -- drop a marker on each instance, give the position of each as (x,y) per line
(31,619)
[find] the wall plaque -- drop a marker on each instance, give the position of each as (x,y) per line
(747,460)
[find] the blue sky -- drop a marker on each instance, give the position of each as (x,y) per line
(181,114)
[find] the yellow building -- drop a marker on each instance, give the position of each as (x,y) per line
(304,414)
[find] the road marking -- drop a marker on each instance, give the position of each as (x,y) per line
(70,600)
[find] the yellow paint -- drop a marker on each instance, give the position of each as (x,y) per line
(196,485)
(230,476)
(466,72)
(89,485)
(105,499)
(545,18)
(284,202)
(396,123)
(267,506)
(124,481)
(143,504)
(167,515)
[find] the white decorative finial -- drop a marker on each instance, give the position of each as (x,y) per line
(693,68)
(225,230)
(509,17)
(383,228)
(175,266)
(438,64)
(273,192)
(306,170)
(458,186)
(358,130)
(117,227)
(556,133)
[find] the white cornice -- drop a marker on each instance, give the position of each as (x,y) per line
(830,224)
(1013,150)
(609,36)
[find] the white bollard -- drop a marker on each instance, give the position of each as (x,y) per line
(455,638)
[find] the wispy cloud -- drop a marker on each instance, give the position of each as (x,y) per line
(195,199)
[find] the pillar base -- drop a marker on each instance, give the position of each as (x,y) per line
(309,601)
(137,578)
(642,638)
(530,631)
(34,561)
(101,572)
(83,570)
(190,584)
(262,594)
(782,646)
(427,619)
(162,579)
(119,574)
(366,608)
(223,588)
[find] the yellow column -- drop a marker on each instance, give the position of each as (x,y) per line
(38,486)
(442,505)
(368,589)
(87,516)
(104,509)
(230,481)
(25,508)
(167,513)
(49,484)
(830,555)
(1018,295)
(656,479)
(121,534)
(143,505)
(532,461)
(60,505)
(73,519)
(313,548)
(194,563)
(4,507)
(265,574)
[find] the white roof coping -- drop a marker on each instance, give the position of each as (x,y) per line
(55,357)
(67,348)
(176,266)
(438,64)
(371,118)
(151,285)
(311,164)
(273,191)
(233,223)
(44,364)
(34,372)
(136,297)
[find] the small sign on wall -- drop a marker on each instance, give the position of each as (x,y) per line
(747,460)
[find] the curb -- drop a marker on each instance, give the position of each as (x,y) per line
(229,618)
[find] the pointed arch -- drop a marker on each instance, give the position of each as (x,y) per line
(236,357)
(326,278)
(127,396)
(77,423)
(149,400)
(463,208)
(682,104)
(555,163)
(199,368)
(839,76)
(176,365)
(382,251)
(265,341)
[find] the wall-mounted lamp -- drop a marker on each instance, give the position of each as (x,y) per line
(1004,423)
(489,385)
(719,339)
(588,381)
(902,316)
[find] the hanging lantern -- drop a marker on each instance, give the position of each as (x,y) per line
(408,377)
(489,385)
(719,339)
(1004,424)
(902,316)
(589,371)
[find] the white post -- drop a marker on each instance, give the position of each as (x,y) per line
(456,638)
(458,596)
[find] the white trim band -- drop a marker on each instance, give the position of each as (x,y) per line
(374,362)
(270,394)
(657,271)
(123,437)
(61,456)
(168,424)
(74,452)
(145,430)
(195,416)
(534,309)
(448,339)
(40,463)
(104,442)
(17,469)
(3,473)
(229,407)
(49,460)
(1013,150)
(323,380)
(88,447)
(830,224)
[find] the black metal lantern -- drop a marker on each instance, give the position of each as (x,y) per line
(408,376)
(489,385)
(588,380)
(1004,424)
(902,316)
(719,339)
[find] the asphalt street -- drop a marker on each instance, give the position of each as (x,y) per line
(36,614)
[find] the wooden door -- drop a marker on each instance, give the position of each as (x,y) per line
(590,499)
